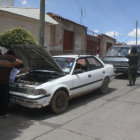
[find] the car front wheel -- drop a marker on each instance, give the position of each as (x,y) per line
(59,102)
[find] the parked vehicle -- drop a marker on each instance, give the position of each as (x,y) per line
(116,56)
(53,81)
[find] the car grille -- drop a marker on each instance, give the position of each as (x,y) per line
(118,64)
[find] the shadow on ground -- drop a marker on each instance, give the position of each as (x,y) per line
(83,100)
(124,76)
(21,118)
(121,76)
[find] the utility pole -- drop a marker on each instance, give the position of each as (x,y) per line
(136,31)
(42,23)
(83,14)
(114,34)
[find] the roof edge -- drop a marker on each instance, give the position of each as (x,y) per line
(65,19)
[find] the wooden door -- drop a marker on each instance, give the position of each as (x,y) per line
(68,40)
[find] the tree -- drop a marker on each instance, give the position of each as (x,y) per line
(16,35)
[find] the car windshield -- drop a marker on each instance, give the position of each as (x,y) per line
(118,51)
(65,63)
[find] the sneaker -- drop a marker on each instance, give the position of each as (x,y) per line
(4,115)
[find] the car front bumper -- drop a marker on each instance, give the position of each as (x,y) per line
(30,101)
(121,69)
(112,77)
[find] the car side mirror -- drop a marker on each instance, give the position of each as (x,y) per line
(77,71)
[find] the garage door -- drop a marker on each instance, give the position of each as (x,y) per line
(68,40)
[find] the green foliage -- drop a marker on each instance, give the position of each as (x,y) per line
(17,35)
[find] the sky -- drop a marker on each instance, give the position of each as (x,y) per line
(115,18)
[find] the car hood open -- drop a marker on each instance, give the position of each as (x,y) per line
(36,58)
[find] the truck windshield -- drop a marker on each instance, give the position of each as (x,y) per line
(118,51)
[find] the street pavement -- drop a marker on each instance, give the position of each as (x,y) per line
(113,116)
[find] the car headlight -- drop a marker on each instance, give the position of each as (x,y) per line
(39,91)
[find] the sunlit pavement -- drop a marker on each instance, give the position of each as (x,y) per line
(114,116)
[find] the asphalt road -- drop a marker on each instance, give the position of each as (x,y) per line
(113,116)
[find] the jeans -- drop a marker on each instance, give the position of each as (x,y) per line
(4,98)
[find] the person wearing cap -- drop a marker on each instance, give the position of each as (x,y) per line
(132,67)
(7,62)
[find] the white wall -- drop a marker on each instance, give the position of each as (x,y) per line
(6,3)
(8,21)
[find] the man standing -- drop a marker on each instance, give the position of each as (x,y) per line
(132,68)
(7,62)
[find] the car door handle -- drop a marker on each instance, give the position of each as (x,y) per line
(89,75)
(103,71)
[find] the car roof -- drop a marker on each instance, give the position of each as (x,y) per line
(122,46)
(73,56)
(129,46)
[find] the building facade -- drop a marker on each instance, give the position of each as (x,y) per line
(105,43)
(99,44)
(6,3)
(68,36)
(28,18)
(93,44)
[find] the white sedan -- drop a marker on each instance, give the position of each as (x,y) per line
(54,80)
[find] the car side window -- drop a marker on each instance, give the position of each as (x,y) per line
(93,63)
(81,64)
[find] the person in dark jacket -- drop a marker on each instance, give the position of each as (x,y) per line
(7,62)
(132,68)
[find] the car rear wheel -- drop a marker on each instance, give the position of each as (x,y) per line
(59,102)
(105,86)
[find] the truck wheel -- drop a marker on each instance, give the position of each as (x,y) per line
(105,86)
(59,102)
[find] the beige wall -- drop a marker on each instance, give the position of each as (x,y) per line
(8,21)
(103,44)
(79,35)
(6,2)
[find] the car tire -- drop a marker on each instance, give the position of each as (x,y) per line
(105,86)
(59,102)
